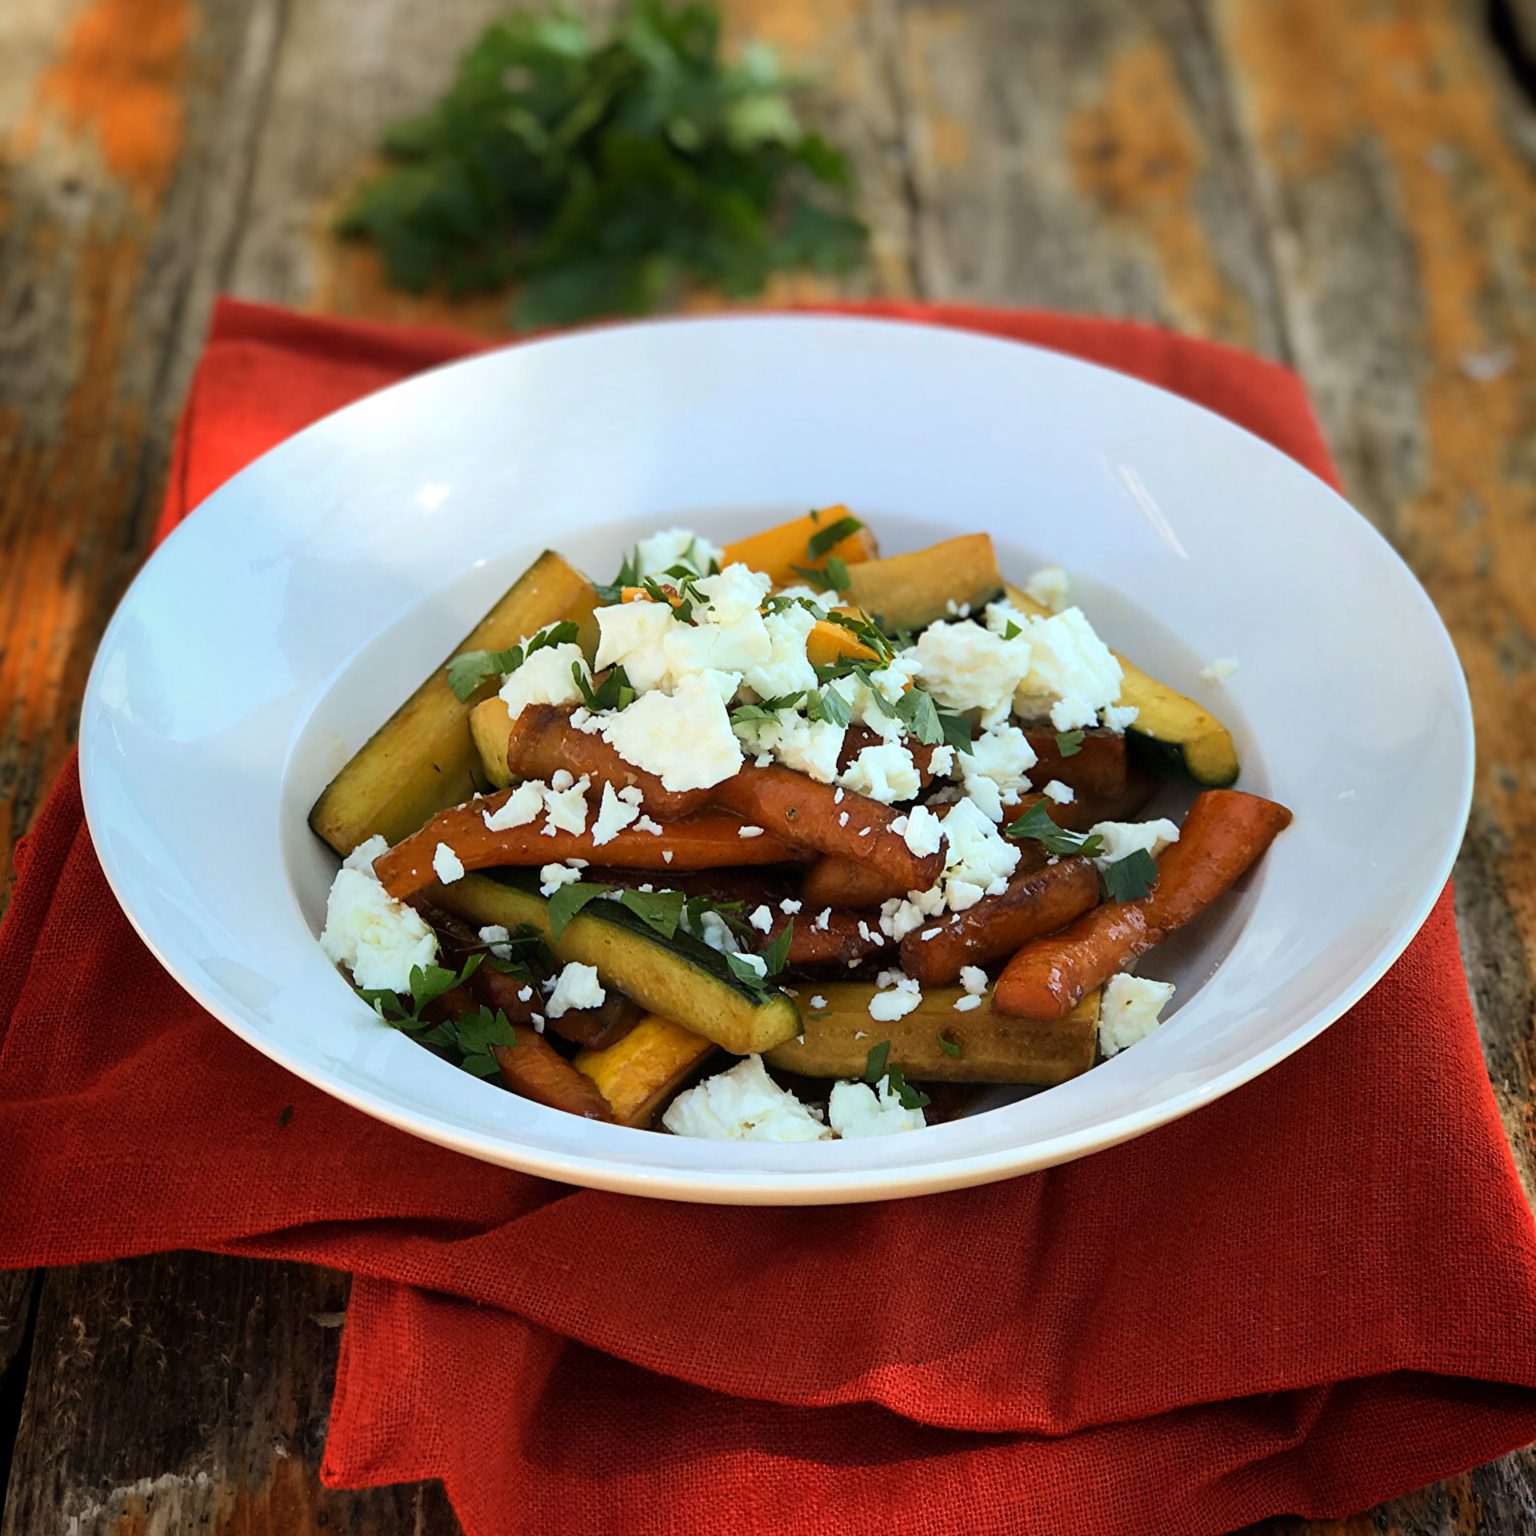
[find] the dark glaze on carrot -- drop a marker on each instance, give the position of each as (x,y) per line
(1097,767)
(537,1071)
(1225,832)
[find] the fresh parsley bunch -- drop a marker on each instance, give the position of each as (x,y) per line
(604,176)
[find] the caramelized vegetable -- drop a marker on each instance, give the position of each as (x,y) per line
(1036,902)
(798,809)
(543,741)
(642,1071)
(709,840)
(1224,833)
(911,591)
(978,1046)
(829,642)
(846,938)
(777,551)
(1097,767)
(537,1071)
(833,881)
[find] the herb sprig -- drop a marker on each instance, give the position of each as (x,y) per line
(468,670)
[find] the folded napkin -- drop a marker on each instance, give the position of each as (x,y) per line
(1310,1296)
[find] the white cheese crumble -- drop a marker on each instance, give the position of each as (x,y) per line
(855,1110)
(498,940)
(786,668)
(1049,587)
(967,667)
(997,764)
(617,811)
(789,906)
(966,1003)
(744,1104)
(761,919)
(1123,838)
(522,806)
(1072,673)
(885,773)
(898,996)
(1220,669)
(565,807)
(746,830)
(1129,1010)
(553,876)
(1120,717)
(377,938)
(973,979)
(818,1001)
(684,738)
(923,833)
(676,546)
(811,747)
(446,864)
(633,636)
(576,987)
(979,859)
(545,678)
(1062,794)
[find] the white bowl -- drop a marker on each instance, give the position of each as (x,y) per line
(284,620)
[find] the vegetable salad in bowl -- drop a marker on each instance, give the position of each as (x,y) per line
(867,826)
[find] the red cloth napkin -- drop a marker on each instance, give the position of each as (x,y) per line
(1310,1296)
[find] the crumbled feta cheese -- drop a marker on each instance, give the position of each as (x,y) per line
(842,818)
(1062,794)
(1049,587)
(446,864)
(1129,1010)
(761,919)
(923,833)
(823,918)
(973,979)
(746,830)
(1070,667)
(565,810)
(553,876)
(743,1104)
(941,761)
(1120,717)
(545,677)
(885,773)
(1122,838)
(900,996)
(789,906)
(645,824)
(1220,669)
(966,1003)
(684,738)
(676,546)
(520,807)
(379,939)
(811,747)
(786,669)
(818,1001)
(576,987)
(615,813)
(978,856)
(633,636)
(716,932)
(730,648)
(855,1109)
(752,962)
(967,667)
(497,939)
(735,593)
(998,764)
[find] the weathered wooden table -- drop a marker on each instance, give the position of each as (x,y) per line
(1342,184)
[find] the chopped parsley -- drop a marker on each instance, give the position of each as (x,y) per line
(427,983)
(1130,878)
(1069,743)
(748,714)
(831,536)
(1036,824)
(831,577)
(466,672)
(614,692)
(948,1046)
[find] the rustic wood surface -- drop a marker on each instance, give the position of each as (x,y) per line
(1345,185)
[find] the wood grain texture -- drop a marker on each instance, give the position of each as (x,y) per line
(188,1392)
(1333,182)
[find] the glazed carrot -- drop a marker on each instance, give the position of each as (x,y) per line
(1097,767)
(709,840)
(833,881)
(537,1071)
(847,937)
(792,806)
(1037,901)
(1224,833)
(543,741)
(777,551)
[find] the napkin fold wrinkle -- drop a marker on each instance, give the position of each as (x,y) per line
(1309,1296)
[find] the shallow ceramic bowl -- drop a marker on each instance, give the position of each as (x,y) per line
(295,609)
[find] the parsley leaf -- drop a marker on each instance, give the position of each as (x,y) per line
(832,535)
(957,731)
(661,910)
(427,983)
(743,969)
(906,1095)
(874,1064)
(1036,823)
(475,1035)
(745,714)
(1130,878)
(1012,632)
(614,692)
(917,711)
(776,955)
(466,672)
(608,174)
(569,900)
(1069,743)
(829,705)
(948,1046)
(831,577)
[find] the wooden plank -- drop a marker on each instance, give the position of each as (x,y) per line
(1078,154)
(188,1392)
(127,128)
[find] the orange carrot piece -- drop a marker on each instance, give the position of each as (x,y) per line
(537,1071)
(543,741)
(1036,902)
(777,551)
(709,840)
(1097,767)
(1224,834)
(833,881)
(846,938)
(792,806)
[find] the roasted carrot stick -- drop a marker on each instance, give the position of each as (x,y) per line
(543,740)
(847,937)
(833,881)
(1224,833)
(1097,767)
(792,806)
(710,840)
(1037,901)
(537,1071)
